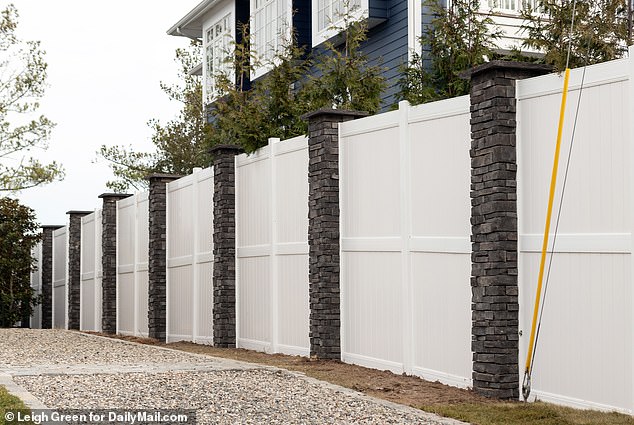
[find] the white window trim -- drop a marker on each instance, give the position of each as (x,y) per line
(209,87)
(414,28)
(320,36)
(284,32)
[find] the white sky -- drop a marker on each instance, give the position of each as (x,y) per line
(105,63)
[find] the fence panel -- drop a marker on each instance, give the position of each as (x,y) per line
(91,272)
(405,262)
(584,354)
(132,265)
(190,258)
(60,278)
(36,284)
(272,248)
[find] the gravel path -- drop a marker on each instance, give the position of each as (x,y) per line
(71,370)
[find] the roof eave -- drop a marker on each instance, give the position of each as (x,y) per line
(190,25)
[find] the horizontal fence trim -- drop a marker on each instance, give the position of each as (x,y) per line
(369,124)
(383,244)
(437,110)
(596,75)
(440,244)
(291,248)
(590,243)
(259,155)
(88,218)
(185,260)
(206,340)
(204,257)
(126,202)
(445,378)
(88,276)
(372,362)
(252,344)
(295,144)
(59,283)
(142,267)
(575,402)
(293,350)
(181,183)
(125,268)
(254,251)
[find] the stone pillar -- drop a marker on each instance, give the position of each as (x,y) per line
(74,266)
(157,254)
(323,230)
(109,261)
(494,234)
(224,277)
(47,275)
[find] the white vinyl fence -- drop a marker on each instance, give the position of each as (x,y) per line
(36,284)
(272,248)
(132,265)
(190,258)
(60,275)
(405,262)
(584,355)
(91,273)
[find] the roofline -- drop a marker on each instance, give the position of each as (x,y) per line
(179,28)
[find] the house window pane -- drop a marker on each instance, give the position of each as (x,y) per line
(217,50)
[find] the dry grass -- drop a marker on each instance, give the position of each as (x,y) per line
(10,403)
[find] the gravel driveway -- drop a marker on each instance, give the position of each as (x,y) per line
(65,369)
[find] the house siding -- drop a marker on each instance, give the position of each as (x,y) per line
(387,47)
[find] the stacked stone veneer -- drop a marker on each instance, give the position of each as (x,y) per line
(74,267)
(494,233)
(157,255)
(323,230)
(47,276)
(224,237)
(109,261)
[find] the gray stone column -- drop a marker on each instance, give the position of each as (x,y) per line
(47,275)
(157,254)
(74,266)
(323,230)
(109,261)
(494,233)
(224,275)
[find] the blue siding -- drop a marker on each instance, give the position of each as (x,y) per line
(387,47)
(302,23)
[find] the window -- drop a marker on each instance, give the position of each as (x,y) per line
(218,47)
(270,30)
(329,13)
(514,6)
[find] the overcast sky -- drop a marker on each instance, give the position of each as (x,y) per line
(106,60)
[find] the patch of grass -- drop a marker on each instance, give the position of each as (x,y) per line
(9,402)
(538,413)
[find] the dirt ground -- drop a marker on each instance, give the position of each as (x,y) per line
(408,390)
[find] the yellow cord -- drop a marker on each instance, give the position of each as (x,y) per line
(553,183)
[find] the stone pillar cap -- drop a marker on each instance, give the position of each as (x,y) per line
(229,148)
(158,176)
(536,68)
(336,112)
(114,195)
(77,212)
(51,226)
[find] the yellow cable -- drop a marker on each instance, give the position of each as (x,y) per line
(553,183)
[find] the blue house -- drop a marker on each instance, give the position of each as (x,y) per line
(394,29)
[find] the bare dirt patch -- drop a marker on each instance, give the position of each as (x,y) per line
(408,390)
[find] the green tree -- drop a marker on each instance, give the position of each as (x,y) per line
(346,79)
(271,108)
(22,84)
(19,234)
(458,38)
(180,145)
(599,34)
